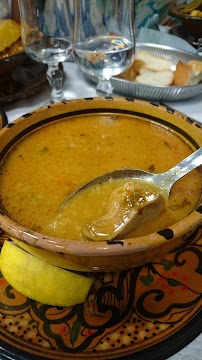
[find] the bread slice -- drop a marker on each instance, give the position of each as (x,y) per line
(187,73)
(160,78)
(133,70)
(197,71)
(182,74)
(153,62)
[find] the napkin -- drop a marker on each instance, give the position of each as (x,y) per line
(150,33)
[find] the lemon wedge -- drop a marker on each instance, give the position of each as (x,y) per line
(41,281)
(10,31)
(51,258)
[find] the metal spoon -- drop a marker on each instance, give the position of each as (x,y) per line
(164,180)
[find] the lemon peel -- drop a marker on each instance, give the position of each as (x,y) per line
(50,257)
(10,31)
(41,281)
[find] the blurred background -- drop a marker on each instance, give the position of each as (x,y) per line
(143,9)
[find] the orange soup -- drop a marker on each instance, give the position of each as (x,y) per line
(45,167)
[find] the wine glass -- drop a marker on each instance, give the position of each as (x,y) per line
(103,39)
(46,37)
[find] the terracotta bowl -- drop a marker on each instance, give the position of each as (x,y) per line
(192,23)
(105,255)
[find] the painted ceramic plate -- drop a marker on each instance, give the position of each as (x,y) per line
(134,314)
(159,93)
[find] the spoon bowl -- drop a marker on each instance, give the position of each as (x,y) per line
(164,180)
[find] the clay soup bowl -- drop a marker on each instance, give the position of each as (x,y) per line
(105,255)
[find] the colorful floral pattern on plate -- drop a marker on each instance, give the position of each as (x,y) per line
(125,312)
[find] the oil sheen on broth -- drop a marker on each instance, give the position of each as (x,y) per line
(47,166)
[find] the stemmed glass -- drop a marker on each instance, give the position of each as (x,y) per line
(103,39)
(46,37)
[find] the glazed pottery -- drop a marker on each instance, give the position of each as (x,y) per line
(105,255)
(192,23)
(149,312)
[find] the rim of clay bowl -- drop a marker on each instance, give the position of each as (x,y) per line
(105,255)
(176,12)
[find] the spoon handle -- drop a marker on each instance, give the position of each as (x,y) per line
(184,167)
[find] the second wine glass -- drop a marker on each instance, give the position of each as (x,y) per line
(103,39)
(46,37)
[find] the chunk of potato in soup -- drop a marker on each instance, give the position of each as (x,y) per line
(48,165)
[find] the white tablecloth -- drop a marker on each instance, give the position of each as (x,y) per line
(77,86)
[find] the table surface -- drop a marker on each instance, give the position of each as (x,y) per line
(77,86)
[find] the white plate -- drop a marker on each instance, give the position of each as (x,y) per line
(152,92)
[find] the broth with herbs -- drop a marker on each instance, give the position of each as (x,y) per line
(46,166)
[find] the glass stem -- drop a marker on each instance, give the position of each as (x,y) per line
(104,87)
(55,79)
